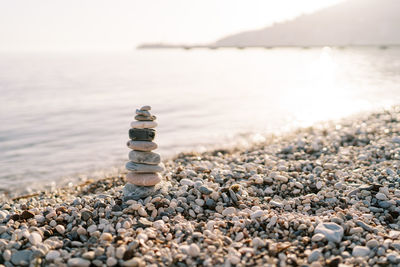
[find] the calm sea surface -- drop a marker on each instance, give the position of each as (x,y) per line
(63,115)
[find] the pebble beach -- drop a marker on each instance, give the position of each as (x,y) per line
(327,195)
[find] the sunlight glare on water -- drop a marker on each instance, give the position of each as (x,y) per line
(65,115)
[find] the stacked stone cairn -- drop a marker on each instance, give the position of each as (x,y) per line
(144,166)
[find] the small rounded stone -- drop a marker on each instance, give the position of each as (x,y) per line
(360,251)
(35,238)
(372,243)
(145,118)
(106,237)
(89,255)
(7,255)
(146,108)
(194,250)
(60,229)
(143,179)
(143,168)
(81,230)
(52,255)
(111,261)
(144,157)
(143,124)
(318,237)
(141,145)
(78,262)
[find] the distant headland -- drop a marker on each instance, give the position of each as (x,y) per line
(350,23)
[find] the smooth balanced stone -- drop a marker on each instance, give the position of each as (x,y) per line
(146,108)
(141,145)
(137,192)
(332,231)
(143,168)
(145,118)
(143,124)
(142,134)
(144,157)
(143,179)
(143,112)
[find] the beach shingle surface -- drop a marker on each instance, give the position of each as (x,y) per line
(321,196)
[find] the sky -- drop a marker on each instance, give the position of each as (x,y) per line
(47,25)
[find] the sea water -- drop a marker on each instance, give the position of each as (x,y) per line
(67,115)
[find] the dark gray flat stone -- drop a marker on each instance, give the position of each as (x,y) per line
(142,134)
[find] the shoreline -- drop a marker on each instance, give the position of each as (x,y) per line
(317,196)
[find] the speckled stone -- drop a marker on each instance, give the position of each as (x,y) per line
(143,168)
(145,118)
(144,157)
(141,145)
(143,179)
(143,124)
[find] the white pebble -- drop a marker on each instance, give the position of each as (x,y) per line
(142,237)
(7,255)
(159,224)
(258,242)
(381,196)
(229,211)
(194,250)
(319,185)
(60,229)
(111,261)
(318,237)
(89,255)
(233,259)
(257,214)
(142,212)
(78,262)
(282,178)
(186,182)
(126,225)
(360,251)
(3,215)
(119,252)
(92,228)
(35,238)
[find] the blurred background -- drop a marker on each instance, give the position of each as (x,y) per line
(217,74)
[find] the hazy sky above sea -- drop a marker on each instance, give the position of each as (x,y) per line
(48,25)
